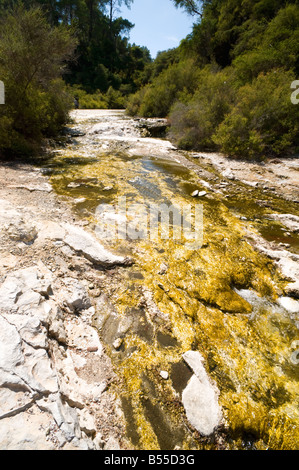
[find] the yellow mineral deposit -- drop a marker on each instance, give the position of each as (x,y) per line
(204,301)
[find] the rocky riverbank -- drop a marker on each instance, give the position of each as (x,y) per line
(55,376)
(60,380)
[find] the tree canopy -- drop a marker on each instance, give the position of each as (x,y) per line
(208,86)
(244,55)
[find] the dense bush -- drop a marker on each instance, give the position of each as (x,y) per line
(263,121)
(276,47)
(32,59)
(194,121)
(228,85)
(157,99)
(113,99)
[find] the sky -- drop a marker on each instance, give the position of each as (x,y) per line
(158,24)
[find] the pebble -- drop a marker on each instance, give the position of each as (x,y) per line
(117,343)
(198,193)
(164,374)
(79,200)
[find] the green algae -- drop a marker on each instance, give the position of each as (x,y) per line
(198,306)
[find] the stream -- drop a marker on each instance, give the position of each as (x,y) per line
(219,295)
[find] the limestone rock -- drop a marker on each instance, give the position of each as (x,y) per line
(164,374)
(74,295)
(200,397)
(10,346)
(87,245)
(291,221)
(26,431)
(291,305)
(87,422)
(45,187)
(12,222)
(83,337)
(30,330)
(24,291)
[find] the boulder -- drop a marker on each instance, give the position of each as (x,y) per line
(74,296)
(26,431)
(200,397)
(24,291)
(291,221)
(86,244)
(13,223)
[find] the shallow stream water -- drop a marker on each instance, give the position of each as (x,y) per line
(219,296)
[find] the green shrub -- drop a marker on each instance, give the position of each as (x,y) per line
(278,47)
(113,99)
(88,101)
(32,59)
(193,121)
(134,101)
(264,121)
(156,99)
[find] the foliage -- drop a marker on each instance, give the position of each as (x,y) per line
(113,99)
(191,6)
(178,79)
(227,86)
(104,56)
(32,58)
(193,123)
(263,121)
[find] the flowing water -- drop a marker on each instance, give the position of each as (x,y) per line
(220,298)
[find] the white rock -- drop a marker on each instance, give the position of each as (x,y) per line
(22,290)
(291,305)
(164,374)
(13,402)
(112,444)
(36,370)
(21,231)
(291,221)
(50,230)
(87,422)
(117,343)
(65,416)
(46,187)
(26,431)
(83,337)
(79,200)
(86,244)
(76,389)
(10,346)
(30,330)
(11,221)
(200,397)
(75,296)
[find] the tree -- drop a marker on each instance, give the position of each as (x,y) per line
(191,6)
(33,56)
(113,7)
